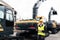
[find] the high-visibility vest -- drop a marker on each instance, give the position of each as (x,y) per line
(40,29)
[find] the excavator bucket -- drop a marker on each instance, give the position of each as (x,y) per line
(54,12)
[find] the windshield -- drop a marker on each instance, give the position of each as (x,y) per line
(2,12)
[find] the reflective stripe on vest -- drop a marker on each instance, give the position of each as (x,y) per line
(40,29)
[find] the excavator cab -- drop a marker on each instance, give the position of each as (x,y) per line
(6,19)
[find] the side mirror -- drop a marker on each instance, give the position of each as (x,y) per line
(54,12)
(15,13)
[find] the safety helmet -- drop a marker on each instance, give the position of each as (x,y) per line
(41,21)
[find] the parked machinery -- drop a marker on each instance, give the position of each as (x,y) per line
(7,16)
(29,26)
(52,24)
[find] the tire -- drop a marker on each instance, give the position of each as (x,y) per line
(54,31)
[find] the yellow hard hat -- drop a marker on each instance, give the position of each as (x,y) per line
(41,20)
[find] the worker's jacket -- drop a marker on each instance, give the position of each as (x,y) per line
(41,30)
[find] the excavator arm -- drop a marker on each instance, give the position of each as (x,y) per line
(35,8)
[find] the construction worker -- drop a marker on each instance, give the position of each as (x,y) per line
(41,30)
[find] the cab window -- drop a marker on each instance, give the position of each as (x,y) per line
(2,12)
(9,18)
(9,15)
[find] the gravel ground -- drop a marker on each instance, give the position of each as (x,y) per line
(54,36)
(50,37)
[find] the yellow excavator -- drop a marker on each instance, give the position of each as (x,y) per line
(29,26)
(7,17)
(36,18)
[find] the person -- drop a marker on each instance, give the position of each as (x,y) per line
(41,30)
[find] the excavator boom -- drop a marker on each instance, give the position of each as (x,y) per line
(36,7)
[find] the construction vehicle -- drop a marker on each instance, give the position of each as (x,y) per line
(29,26)
(7,16)
(52,24)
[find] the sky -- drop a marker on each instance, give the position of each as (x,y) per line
(24,8)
